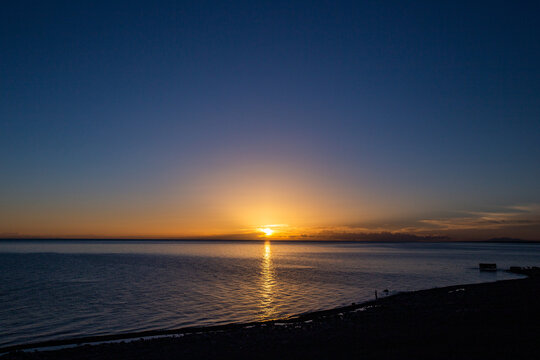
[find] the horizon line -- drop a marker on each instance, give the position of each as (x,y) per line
(410,240)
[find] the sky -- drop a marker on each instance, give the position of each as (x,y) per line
(317,120)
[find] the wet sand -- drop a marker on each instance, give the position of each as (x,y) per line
(499,320)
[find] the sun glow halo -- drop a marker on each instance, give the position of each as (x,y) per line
(267,231)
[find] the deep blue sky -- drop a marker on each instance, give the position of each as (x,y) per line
(393,115)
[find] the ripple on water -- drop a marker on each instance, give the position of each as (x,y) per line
(48,292)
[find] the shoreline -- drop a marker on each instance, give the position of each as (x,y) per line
(354,315)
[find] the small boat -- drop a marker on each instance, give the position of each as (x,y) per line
(488,267)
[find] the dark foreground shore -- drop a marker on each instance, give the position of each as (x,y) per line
(498,320)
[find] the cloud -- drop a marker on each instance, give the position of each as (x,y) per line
(511,216)
(522,220)
(374,236)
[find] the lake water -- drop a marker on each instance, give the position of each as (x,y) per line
(64,289)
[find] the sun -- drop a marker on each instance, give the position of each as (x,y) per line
(267,231)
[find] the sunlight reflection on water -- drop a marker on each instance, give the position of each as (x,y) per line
(267,284)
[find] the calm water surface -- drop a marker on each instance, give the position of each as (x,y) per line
(60,289)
